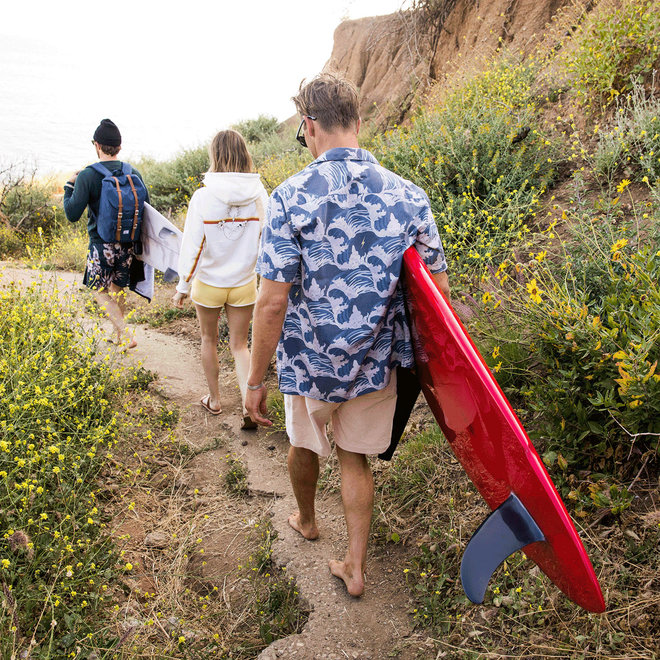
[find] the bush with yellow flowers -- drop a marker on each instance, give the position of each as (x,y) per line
(630,144)
(616,43)
(483,159)
(57,427)
(585,315)
(276,168)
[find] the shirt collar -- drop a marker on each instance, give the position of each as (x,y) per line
(346,153)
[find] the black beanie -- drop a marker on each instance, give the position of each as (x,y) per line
(108,133)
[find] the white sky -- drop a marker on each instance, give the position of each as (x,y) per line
(170,74)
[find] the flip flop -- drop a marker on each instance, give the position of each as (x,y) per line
(206,404)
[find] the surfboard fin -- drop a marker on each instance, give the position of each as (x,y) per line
(507,529)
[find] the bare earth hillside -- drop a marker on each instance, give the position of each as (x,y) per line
(392,58)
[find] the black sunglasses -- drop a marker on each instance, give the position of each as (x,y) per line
(300,136)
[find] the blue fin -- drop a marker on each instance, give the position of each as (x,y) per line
(507,529)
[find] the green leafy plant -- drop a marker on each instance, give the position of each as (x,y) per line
(257,130)
(171,183)
(236,476)
(589,313)
(632,142)
(615,45)
(483,160)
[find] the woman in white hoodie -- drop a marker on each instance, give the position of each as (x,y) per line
(218,255)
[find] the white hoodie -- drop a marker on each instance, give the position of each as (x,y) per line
(221,234)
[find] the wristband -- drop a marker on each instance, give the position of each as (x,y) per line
(255,387)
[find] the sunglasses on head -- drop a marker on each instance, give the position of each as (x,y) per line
(300,136)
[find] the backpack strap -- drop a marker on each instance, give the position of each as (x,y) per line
(101,169)
(137,207)
(120,210)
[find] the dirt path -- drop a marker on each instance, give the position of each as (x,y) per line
(339,626)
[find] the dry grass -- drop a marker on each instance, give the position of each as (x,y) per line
(200,555)
(425,501)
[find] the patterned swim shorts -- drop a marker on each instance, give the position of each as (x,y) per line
(108,263)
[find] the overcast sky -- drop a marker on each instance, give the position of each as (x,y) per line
(170,74)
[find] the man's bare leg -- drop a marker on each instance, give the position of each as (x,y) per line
(304,474)
(357,494)
(113,299)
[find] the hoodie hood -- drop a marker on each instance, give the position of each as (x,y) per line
(234,188)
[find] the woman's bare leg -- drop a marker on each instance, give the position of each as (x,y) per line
(208,325)
(238,320)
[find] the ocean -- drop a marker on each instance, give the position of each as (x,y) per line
(52,99)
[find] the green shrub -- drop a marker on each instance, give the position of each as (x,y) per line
(483,160)
(257,130)
(589,315)
(278,156)
(236,477)
(616,44)
(633,140)
(171,183)
(11,243)
(28,211)
(277,169)
(65,249)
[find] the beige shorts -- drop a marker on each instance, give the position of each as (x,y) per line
(215,296)
(362,425)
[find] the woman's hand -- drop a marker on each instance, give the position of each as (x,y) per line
(178,298)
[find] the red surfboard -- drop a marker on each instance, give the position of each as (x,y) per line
(493,448)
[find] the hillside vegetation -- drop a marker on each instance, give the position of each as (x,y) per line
(543,172)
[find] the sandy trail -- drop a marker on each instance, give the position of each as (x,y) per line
(340,626)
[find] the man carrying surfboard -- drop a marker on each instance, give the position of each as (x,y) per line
(330,301)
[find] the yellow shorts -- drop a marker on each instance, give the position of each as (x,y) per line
(206,295)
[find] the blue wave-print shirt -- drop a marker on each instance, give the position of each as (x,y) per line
(337,231)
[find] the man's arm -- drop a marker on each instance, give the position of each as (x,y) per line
(76,195)
(269,314)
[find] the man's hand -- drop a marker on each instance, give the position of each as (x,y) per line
(73,177)
(178,298)
(255,404)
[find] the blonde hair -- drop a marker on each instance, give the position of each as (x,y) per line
(228,152)
(333,100)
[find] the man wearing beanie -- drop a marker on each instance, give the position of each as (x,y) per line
(108,264)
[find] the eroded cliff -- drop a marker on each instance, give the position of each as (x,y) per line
(394,58)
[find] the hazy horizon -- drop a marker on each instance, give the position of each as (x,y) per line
(168,86)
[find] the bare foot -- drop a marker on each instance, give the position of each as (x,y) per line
(354,581)
(126,341)
(310,532)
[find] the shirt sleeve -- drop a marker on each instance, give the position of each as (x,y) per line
(76,199)
(279,252)
(428,243)
(192,245)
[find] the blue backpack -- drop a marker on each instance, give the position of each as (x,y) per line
(121,204)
